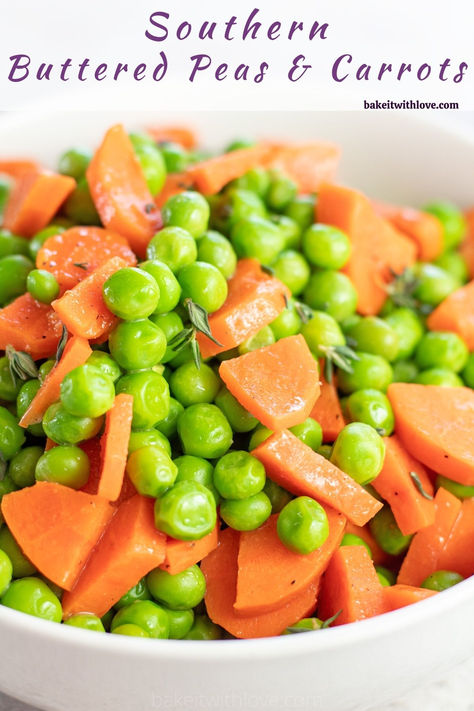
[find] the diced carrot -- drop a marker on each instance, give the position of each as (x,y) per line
(56,527)
(17,168)
(182,554)
(435,424)
(93,450)
(327,409)
(220,570)
(74,254)
(254,300)
(456,313)
(82,309)
(120,192)
(175,183)
(277,384)
(297,468)
(130,547)
(378,555)
(76,352)
(34,200)
(351,585)
(424,229)
(397,486)
(30,326)
(397,596)
(425,551)
(308,164)
(458,553)
(270,575)
(114,445)
(378,250)
(50,445)
(185,137)
(212,175)
(467,247)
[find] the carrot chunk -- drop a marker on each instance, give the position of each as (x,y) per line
(435,424)
(327,409)
(254,300)
(82,309)
(296,467)
(120,193)
(220,570)
(456,313)
(308,164)
(458,553)
(351,585)
(397,596)
(175,183)
(182,554)
(270,575)
(30,326)
(76,353)
(277,384)
(423,229)
(425,551)
(130,547)
(16,168)
(34,200)
(212,175)
(56,527)
(114,445)
(185,137)
(378,249)
(397,486)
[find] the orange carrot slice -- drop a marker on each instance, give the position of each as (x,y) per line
(423,229)
(351,585)
(74,254)
(308,164)
(34,200)
(296,467)
(30,326)
(93,449)
(467,247)
(378,249)
(82,309)
(180,555)
(327,409)
(212,175)
(456,313)
(395,484)
(220,570)
(120,192)
(130,547)
(270,575)
(76,352)
(18,168)
(175,183)
(435,424)
(397,596)
(254,300)
(114,444)
(277,384)
(458,553)
(425,551)
(185,137)
(56,527)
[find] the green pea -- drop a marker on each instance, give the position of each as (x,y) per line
(216,249)
(236,205)
(408,326)
(404,371)
(6,572)
(256,180)
(240,143)
(40,238)
(309,432)
(137,592)
(302,525)
(288,323)
(186,512)
(263,338)
(434,284)
(9,387)
(151,471)
(259,238)
(87,392)
(105,364)
(25,396)
(196,469)
(33,597)
(370,371)
(130,631)
(325,451)
(14,271)
(331,292)
(204,431)
(170,290)
(80,207)
(289,229)
(21,565)
(203,630)
(131,294)
(64,465)
(180,622)
(46,367)
(7,485)
(372,408)
(350,539)
(137,345)
(74,162)
(439,349)
(238,475)
(326,247)
(176,158)
(182,355)
(64,428)
(107,619)
(281,191)
(374,335)
(191,385)
(22,466)
(459,490)
(293,270)
(386,576)
(171,324)
(278,496)
(152,164)
(387,534)
(204,284)
(347,323)
(439,376)
(188,210)
(442,580)
(169,424)
(259,435)
(173,246)
(239,418)
(452,221)
(12,436)
(455,264)
(322,331)
(301,210)
(151,397)
(85,621)
(11,244)
(246,514)
(359,451)
(468,371)
(148,438)
(147,615)
(178,592)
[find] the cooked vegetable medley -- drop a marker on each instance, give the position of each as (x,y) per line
(236,397)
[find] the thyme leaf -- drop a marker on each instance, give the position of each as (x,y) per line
(20,364)
(417,482)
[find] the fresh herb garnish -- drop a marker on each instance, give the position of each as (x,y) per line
(199,323)
(20,364)
(417,481)
(267,270)
(340,356)
(315,625)
(82,265)
(330,620)
(401,290)
(304,311)
(61,344)
(150,207)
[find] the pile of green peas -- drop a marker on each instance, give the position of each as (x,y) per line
(191,442)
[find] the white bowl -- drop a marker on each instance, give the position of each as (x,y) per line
(349,668)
